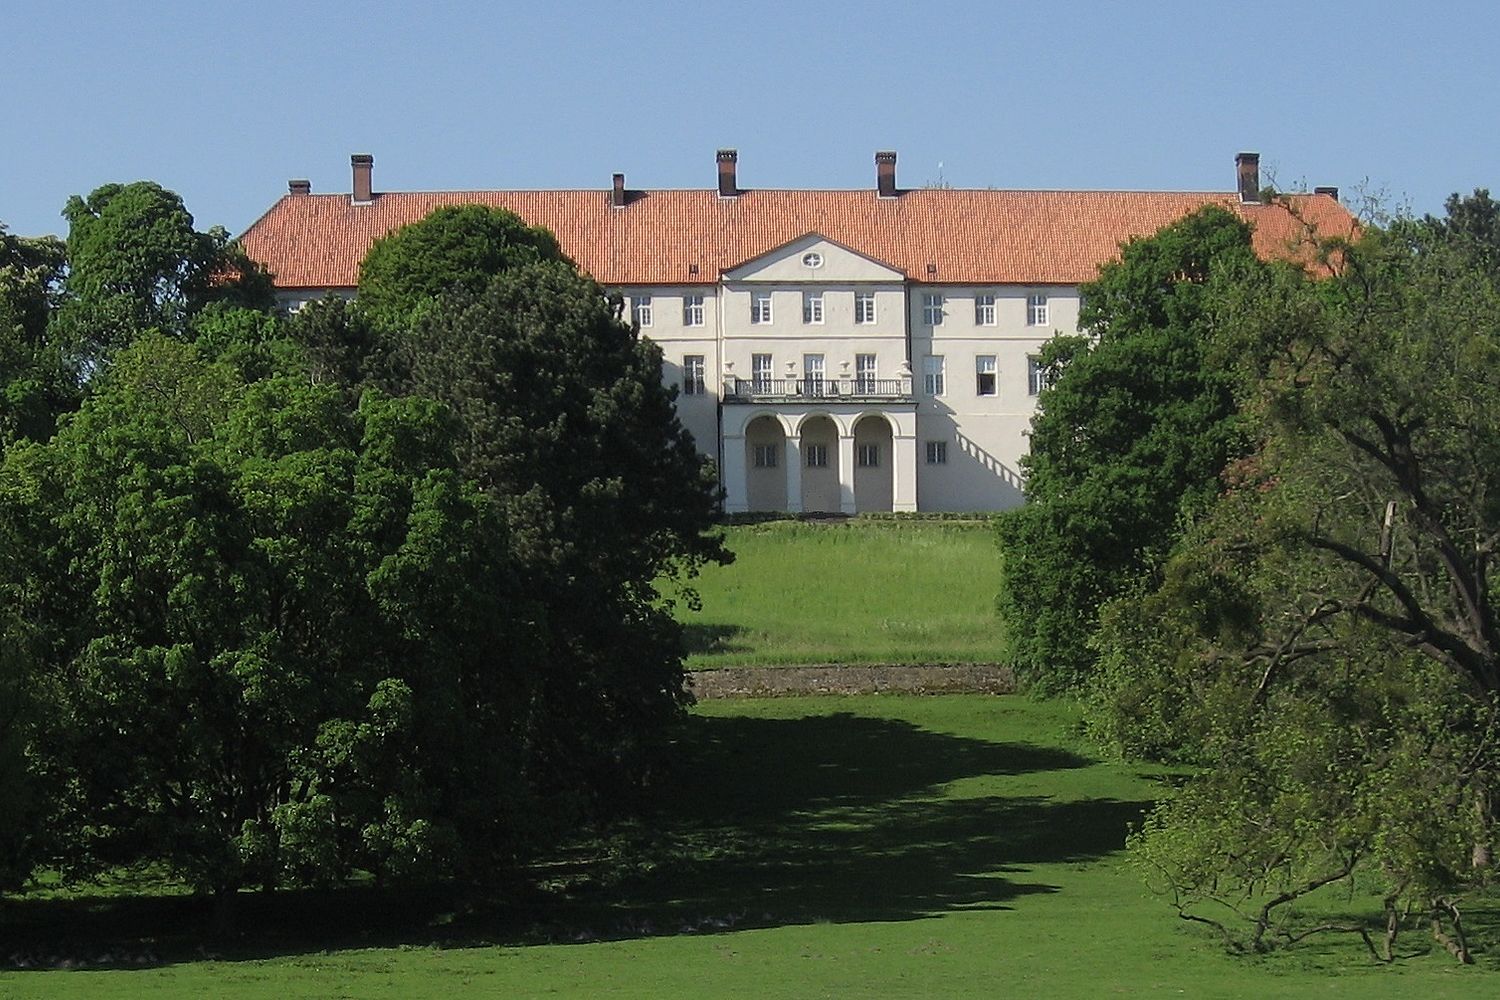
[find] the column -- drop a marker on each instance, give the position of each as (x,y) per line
(736,485)
(846,472)
(793,474)
(903,466)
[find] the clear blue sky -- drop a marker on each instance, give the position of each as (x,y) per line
(224,102)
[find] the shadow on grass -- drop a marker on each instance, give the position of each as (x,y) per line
(709,637)
(770,822)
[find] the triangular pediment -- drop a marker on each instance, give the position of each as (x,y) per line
(813,257)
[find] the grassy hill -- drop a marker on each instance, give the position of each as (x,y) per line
(860,591)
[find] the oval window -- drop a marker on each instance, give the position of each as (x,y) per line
(812,259)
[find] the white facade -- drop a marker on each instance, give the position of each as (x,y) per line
(834,383)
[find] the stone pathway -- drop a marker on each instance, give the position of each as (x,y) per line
(882,678)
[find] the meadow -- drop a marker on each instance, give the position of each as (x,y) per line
(867,846)
(859,591)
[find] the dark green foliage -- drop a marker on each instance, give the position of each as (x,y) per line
(275,625)
(35,385)
(135,263)
(1131,435)
(271,628)
(342,346)
(567,425)
(459,248)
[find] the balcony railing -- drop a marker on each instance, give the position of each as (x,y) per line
(802,390)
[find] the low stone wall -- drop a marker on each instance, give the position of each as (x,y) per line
(882,678)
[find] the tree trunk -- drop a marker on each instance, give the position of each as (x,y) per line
(1457,944)
(225,907)
(1484,847)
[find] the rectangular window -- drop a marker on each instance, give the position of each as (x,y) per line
(932,310)
(937,452)
(640,309)
(760,307)
(765,456)
(864,307)
(760,373)
(1036,375)
(692,375)
(932,375)
(817,455)
(868,456)
(984,375)
(692,310)
(864,373)
(812,373)
(812,307)
(1036,309)
(984,310)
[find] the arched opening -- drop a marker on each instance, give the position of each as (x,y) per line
(874,464)
(765,464)
(820,465)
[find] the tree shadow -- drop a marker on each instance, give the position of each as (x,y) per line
(838,818)
(768,822)
(712,637)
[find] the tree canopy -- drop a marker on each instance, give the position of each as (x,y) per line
(136,263)
(1129,437)
(455,248)
(291,598)
(1322,640)
(35,385)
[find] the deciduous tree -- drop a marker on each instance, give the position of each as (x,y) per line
(1130,436)
(1325,640)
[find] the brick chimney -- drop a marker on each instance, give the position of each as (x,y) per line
(363,165)
(1247,175)
(617,193)
(885,173)
(728,183)
(1331,192)
(299,187)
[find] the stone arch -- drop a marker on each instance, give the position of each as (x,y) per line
(874,463)
(765,463)
(819,435)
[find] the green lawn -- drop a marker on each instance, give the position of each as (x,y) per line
(852,592)
(958,846)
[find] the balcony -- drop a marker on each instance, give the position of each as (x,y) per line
(817,390)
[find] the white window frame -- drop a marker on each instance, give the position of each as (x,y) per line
(864,308)
(1036,309)
(760,307)
(933,375)
(1036,375)
(692,310)
(640,309)
(867,456)
(816,455)
(866,373)
(762,371)
(985,376)
(812,308)
(932,308)
(814,374)
(937,452)
(766,456)
(694,372)
(984,309)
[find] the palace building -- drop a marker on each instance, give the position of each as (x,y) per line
(834,351)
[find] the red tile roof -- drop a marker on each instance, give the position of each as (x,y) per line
(974,237)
